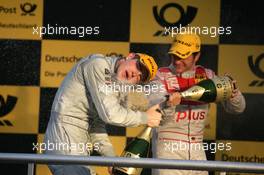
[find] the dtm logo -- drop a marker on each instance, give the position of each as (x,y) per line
(28,9)
(6,107)
(185,18)
(255,68)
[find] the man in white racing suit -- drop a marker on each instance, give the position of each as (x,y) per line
(87,99)
(180,135)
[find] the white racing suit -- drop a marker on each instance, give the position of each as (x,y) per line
(82,106)
(180,135)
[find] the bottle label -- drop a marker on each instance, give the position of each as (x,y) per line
(223,87)
(129,170)
(130,155)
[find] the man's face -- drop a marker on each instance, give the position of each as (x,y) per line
(128,72)
(183,65)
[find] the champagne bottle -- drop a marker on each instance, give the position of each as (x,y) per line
(210,90)
(137,148)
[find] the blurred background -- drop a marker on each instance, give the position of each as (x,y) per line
(32,65)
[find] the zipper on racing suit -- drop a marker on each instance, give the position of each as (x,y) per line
(189,123)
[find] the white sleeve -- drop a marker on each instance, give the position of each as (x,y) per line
(102,144)
(235,105)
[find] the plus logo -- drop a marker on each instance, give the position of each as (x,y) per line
(186,17)
(6,107)
(256,69)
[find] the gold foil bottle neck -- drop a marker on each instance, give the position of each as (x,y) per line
(145,134)
(193,93)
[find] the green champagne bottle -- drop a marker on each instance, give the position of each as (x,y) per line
(210,90)
(137,148)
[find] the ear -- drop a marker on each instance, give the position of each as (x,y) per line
(197,56)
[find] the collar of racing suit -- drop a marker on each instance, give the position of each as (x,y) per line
(190,78)
(186,74)
(180,82)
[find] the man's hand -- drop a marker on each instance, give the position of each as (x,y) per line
(235,91)
(154,116)
(174,99)
(110,170)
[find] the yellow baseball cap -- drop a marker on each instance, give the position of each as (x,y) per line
(185,44)
(149,63)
